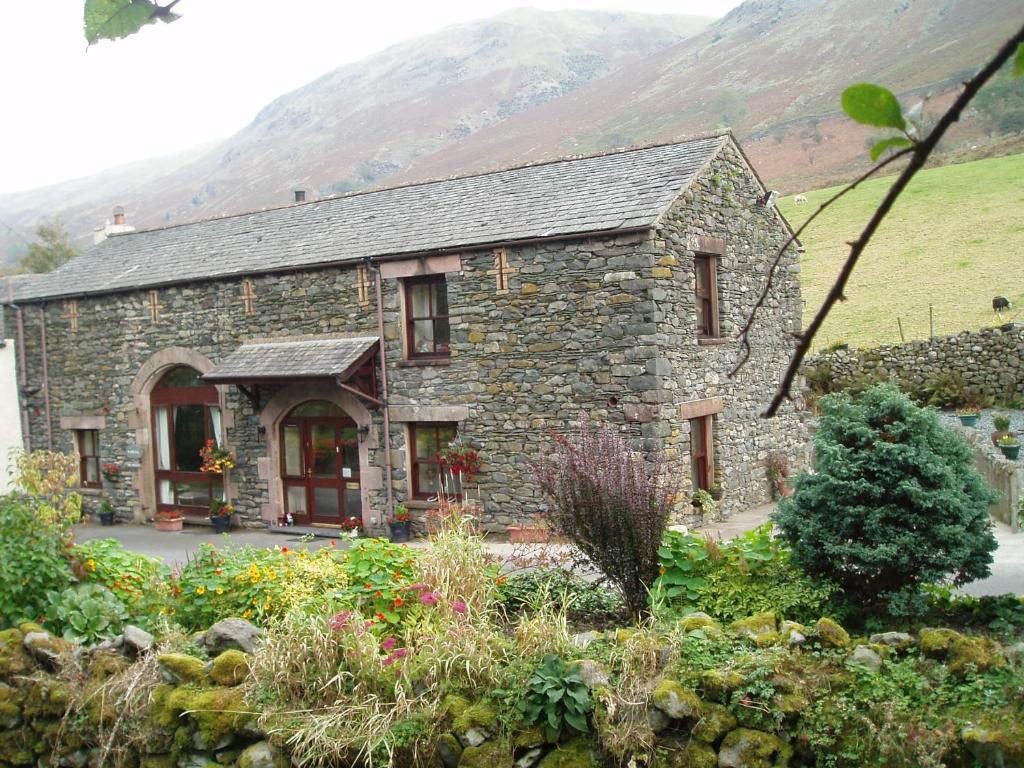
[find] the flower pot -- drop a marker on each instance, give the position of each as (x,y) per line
(1011,452)
(221,523)
(401,531)
(106,518)
(999,435)
(529,534)
(968,420)
(169,525)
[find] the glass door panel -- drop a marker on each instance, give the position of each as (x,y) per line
(293,450)
(323,446)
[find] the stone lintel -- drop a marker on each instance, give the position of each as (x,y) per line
(429,412)
(704,244)
(83,422)
(697,408)
(430,265)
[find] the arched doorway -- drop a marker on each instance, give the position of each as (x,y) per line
(320,464)
(186,414)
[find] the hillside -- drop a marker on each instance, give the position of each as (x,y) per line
(528,85)
(953,241)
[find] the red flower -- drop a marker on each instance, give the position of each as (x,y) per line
(399,602)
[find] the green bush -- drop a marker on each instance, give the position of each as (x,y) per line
(86,613)
(584,601)
(894,503)
(138,581)
(556,696)
(32,561)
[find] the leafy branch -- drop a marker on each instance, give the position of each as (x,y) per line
(874,105)
(114,19)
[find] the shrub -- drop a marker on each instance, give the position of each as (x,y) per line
(943,389)
(86,613)
(894,502)
(136,580)
(585,602)
(610,502)
(32,561)
(380,577)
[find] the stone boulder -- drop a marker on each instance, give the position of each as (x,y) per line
(238,634)
(675,701)
(747,748)
(137,641)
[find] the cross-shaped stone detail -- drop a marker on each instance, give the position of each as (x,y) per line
(502,271)
(154,306)
(363,283)
(248,297)
(73,315)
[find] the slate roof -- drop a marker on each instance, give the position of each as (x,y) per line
(601,193)
(311,358)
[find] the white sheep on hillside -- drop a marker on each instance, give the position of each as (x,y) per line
(800,200)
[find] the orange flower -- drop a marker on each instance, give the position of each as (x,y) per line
(399,602)
(379,594)
(219,571)
(382,617)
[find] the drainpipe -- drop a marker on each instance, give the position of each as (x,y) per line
(384,386)
(46,377)
(19,321)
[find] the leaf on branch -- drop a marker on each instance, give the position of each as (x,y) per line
(873,105)
(1018,61)
(896,141)
(114,19)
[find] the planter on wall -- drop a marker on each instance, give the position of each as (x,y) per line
(1011,452)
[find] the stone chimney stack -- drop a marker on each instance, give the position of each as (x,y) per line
(118,227)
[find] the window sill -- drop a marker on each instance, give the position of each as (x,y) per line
(89,491)
(712,341)
(417,362)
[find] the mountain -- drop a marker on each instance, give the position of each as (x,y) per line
(528,85)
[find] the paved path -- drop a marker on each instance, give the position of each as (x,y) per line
(1007,570)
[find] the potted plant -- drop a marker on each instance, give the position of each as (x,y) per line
(460,460)
(1002,424)
(716,491)
(168,520)
(110,471)
(351,527)
(106,513)
(1010,446)
(968,415)
(220,515)
(400,524)
(216,458)
(702,500)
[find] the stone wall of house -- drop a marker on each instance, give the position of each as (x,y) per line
(722,205)
(990,361)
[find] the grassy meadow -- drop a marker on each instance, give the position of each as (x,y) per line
(953,241)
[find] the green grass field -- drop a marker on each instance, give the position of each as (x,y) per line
(954,239)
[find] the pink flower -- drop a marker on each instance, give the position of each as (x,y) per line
(339,621)
(459,607)
(396,654)
(419,587)
(388,644)
(429,598)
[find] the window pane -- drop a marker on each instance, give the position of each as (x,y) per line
(426,443)
(350,451)
(419,300)
(427,476)
(292,450)
(317,408)
(325,455)
(296,500)
(89,442)
(325,502)
(92,471)
(183,376)
(166,494)
(193,494)
(440,289)
(703,270)
(189,436)
(446,434)
(702,319)
(163,441)
(423,336)
(442,334)
(215,423)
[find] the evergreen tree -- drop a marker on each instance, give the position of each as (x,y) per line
(894,502)
(53,249)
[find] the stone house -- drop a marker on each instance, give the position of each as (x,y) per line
(334,346)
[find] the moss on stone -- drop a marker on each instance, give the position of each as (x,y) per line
(30,626)
(182,667)
(479,715)
(767,639)
(693,755)
(936,642)
(753,626)
(46,697)
(715,721)
(623,634)
(490,754)
(105,664)
(454,705)
(448,748)
(229,668)
(1001,745)
(217,713)
(791,704)
(831,633)
(675,701)
(787,628)
(14,660)
(718,684)
(17,747)
(981,653)
(578,753)
(158,761)
(747,748)
(691,623)
(529,737)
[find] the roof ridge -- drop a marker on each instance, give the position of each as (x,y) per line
(455,177)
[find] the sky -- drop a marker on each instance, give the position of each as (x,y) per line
(69,112)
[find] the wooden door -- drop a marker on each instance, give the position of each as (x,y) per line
(320,469)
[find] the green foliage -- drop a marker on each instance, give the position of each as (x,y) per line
(894,502)
(873,105)
(53,249)
(880,148)
(379,575)
(584,601)
(136,580)
(48,477)
(943,389)
(32,561)
(114,19)
(556,696)
(86,613)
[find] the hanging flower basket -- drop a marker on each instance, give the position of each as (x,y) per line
(215,458)
(461,460)
(111,472)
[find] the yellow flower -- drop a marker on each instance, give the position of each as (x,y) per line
(256,602)
(90,564)
(246,613)
(200,590)
(219,591)
(271,575)
(266,604)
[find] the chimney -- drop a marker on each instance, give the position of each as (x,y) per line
(300,195)
(116,228)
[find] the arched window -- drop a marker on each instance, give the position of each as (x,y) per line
(186,414)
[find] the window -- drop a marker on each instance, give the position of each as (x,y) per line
(706,281)
(702,470)
(426,313)
(88,441)
(425,444)
(186,414)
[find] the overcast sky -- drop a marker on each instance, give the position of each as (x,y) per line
(68,112)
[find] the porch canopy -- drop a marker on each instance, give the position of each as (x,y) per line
(340,359)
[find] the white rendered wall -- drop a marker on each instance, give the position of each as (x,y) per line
(10,419)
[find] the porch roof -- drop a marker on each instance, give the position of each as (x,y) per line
(285,360)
